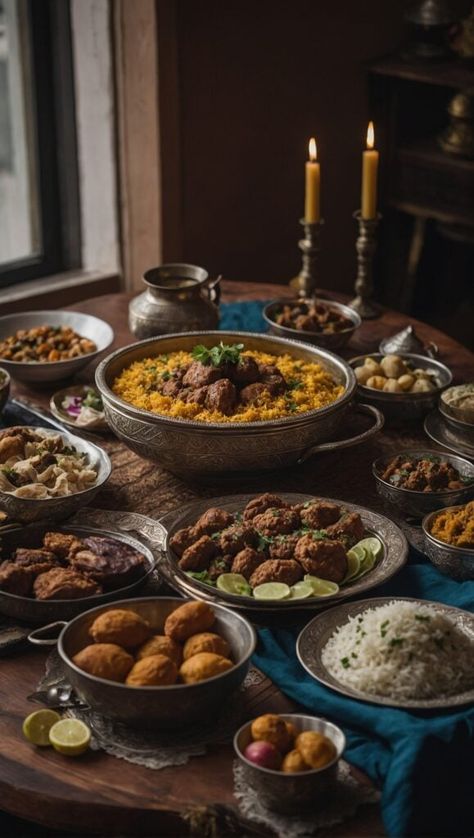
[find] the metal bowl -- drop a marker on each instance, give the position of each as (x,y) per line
(4,388)
(461,416)
(174,706)
(38,611)
(328,341)
(417,504)
(27,510)
(38,373)
(195,449)
(452,417)
(457,562)
(404,407)
(291,793)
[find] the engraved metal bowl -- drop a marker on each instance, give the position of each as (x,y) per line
(457,562)
(405,407)
(4,388)
(38,373)
(292,792)
(178,705)
(38,611)
(418,504)
(27,510)
(194,449)
(333,340)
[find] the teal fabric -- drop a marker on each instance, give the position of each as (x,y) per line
(422,761)
(243,317)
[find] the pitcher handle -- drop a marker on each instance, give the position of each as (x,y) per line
(214,290)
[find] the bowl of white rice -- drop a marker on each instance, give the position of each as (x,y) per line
(398,652)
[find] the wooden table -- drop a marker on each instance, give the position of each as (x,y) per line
(98,793)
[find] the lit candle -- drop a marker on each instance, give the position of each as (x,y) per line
(370,162)
(312,211)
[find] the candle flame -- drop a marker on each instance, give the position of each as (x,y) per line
(313,151)
(370,135)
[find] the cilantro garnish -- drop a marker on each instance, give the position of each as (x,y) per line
(217,355)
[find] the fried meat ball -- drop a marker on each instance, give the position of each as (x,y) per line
(213,520)
(236,538)
(202,666)
(62,544)
(283,547)
(63,583)
(317,750)
(206,641)
(188,619)
(323,558)
(104,660)
(277,521)
(182,539)
(160,644)
(294,762)
(198,555)
(247,561)
(319,514)
(153,671)
(287,571)
(15,579)
(120,626)
(272,728)
(350,527)
(261,503)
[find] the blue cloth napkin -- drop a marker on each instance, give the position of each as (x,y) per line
(423,761)
(243,316)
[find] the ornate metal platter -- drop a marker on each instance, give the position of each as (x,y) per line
(313,638)
(445,434)
(394,556)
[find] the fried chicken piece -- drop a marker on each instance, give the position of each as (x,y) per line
(247,561)
(203,666)
(261,503)
(323,558)
(38,561)
(287,571)
(188,619)
(198,555)
(160,644)
(112,563)
(349,527)
(319,514)
(236,538)
(153,671)
(206,641)
(63,583)
(283,547)
(15,579)
(182,539)
(275,521)
(104,660)
(213,520)
(125,628)
(62,544)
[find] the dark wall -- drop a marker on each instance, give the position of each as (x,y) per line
(257,78)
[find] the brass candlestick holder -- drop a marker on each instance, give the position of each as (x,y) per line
(306,281)
(364,286)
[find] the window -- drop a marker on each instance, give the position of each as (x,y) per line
(39,208)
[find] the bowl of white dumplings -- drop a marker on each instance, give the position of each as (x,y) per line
(48,475)
(405,386)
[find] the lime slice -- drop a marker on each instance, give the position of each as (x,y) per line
(368,563)
(353,565)
(234,583)
(321,587)
(37,725)
(373,544)
(70,737)
(272,590)
(301,590)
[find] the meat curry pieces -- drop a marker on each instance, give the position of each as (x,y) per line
(271,541)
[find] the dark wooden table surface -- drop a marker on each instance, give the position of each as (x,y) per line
(100,794)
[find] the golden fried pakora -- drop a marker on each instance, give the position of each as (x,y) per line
(62,544)
(104,660)
(294,762)
(160,644)
(153,671)
(315,748)
(272,728)
(125,628)
(188,619)
(203,666)
(206,642)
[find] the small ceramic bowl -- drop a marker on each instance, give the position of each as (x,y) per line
(285,792)
(328,340)
(457,562)
(56,408)
(4,388)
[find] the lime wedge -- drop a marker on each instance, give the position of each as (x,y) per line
(353,565)
(272,590)
(37,725)
(321,587)
(373,544)
(234,583)
(70,737)
(301,590)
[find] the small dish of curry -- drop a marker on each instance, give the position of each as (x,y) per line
(455,526)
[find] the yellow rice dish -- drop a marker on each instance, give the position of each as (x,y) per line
(308,387)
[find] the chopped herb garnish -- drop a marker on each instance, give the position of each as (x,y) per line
(164,358)
(319,535)
(166,375)
(353,655)
(294,384)
(201,576)
(396,641)
(345,662)
(264,541)
(423,618)
(217,355)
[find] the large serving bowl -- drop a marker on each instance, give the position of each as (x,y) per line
(195,448)
(38,373)
(405,407)
(4,388)
(178,705)
(290,793)
(27,510)
(327,340)
(457,562)
(417,504)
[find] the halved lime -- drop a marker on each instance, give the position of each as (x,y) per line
(70,737)
(367,564)
(37,725)
(301,590)
(321,587)
(234,583)
(272,590)
(371,543)
(353,565)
